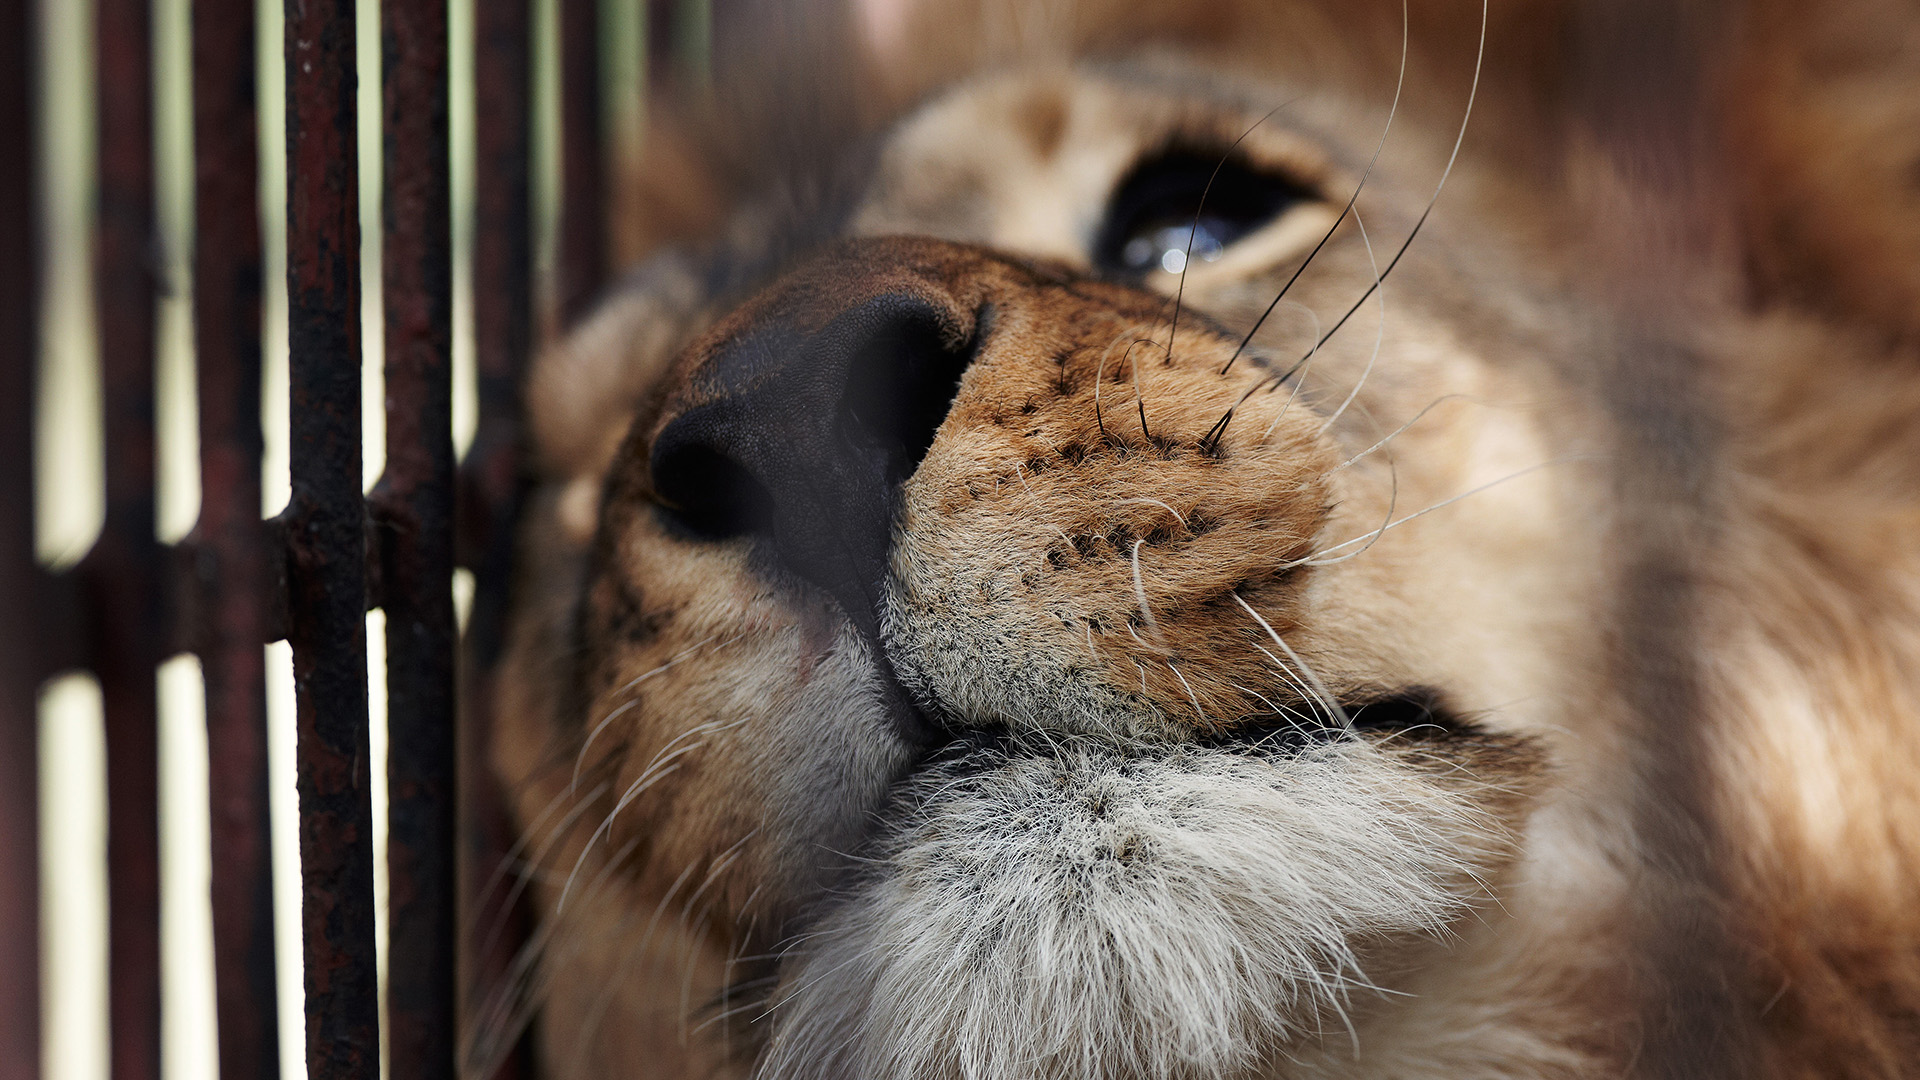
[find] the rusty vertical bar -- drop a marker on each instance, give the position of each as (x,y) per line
(489,490)
(581,263)
(661,38)
(228,547)
(414,508)
(19,576)
(326,538)
(502,269)
(120,575)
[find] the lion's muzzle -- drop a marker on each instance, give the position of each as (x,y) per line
(1041,511)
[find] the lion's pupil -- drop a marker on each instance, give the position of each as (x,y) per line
(1185,205)
(1170,246)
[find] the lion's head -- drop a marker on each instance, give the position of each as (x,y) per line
(1198,561)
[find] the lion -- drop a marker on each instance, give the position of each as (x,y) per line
(1277,539)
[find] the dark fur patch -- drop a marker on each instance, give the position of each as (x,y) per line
(1043,121)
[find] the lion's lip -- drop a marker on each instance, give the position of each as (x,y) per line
(1417,710)
(913,724)
(1411,712)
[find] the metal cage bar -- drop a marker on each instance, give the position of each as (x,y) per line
(490,481)
(21,662)
(581,263)
(230,570)
(326,531)
(121,575)
(236,581)
(413,508)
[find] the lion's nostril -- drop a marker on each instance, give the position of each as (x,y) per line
(900,385)
(803,423)
(710,494)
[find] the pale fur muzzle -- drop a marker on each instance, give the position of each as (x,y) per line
(1083,911)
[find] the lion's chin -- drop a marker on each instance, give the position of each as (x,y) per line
(1083,911)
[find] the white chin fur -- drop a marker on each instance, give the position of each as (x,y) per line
(1089,913)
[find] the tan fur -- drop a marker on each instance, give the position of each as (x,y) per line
(1620,463)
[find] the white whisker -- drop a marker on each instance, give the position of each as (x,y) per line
(1400,82)
(1315,560)
(1459,140)
(503,914)
(1320,688)
(1380,334)
(1191,696)
(1140,594)
(1396,433)
(662,764)
(621,710)
(1145,500)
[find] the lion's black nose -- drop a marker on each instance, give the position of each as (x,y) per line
(805,419)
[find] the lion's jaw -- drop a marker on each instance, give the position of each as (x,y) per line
(1089,911)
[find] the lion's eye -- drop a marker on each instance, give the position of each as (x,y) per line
(1164,212)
